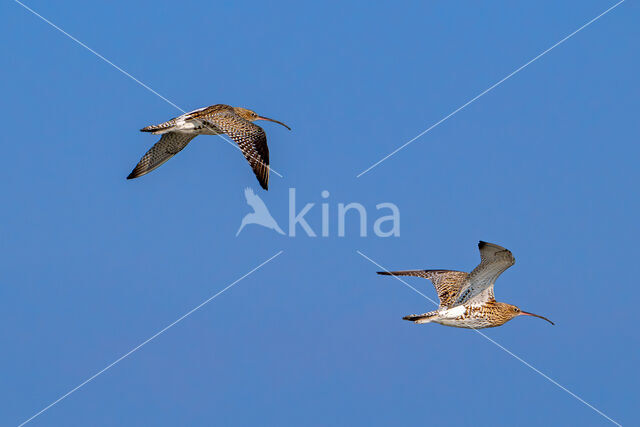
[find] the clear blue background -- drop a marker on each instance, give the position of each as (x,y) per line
(92,264)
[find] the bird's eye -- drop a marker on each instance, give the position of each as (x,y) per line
(516,310)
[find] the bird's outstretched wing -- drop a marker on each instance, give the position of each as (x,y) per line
(169,145)
(448,283)
(250,137)
(494,260)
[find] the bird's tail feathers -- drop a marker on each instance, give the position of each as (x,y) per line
(421,318)
(159,129)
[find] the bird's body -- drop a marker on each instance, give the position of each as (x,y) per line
(466,299)
(474,316)
(214,120)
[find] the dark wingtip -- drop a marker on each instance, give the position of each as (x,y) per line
(410,318)
(132,175)
(482,244)
(384,273)
(264,185)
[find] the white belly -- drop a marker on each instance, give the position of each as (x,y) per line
(471,323)
(452,313)
(456,317)
(197,127)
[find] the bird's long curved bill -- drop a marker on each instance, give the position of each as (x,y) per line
(535,315)
(274,121)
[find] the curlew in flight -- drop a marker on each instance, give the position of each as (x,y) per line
(214,120)
(466,299)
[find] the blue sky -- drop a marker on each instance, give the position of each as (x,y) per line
(93,265)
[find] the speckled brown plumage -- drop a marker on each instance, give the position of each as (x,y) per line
(466,299)
(446,282)
(214,120)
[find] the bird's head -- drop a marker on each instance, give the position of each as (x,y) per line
(509,311)
(253,116)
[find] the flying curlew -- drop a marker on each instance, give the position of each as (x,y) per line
(214,120)
(466,299)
